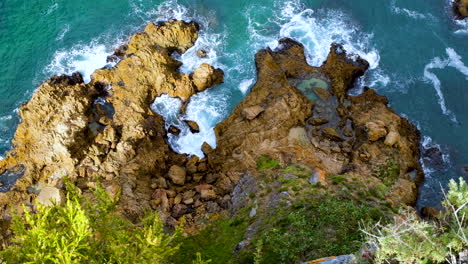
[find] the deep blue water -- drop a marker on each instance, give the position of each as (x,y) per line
(418,57)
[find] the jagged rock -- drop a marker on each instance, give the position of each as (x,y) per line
(202,53)
(211,177)
(131,150)
(193,126)
(174,130)
(207,76)
(322,93)
(178,199)
(50,195)
(207,194)
(461,8)
(177,174)
(376,130)
(252,112)
(178,210)
(391,138)
(316,121)
(331,134)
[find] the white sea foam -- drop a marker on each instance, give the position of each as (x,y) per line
(51,9)
(245,85)
(6,117)
(211,43)
(453,60)
(82,58)
(410,13)
(317,30)
(463,24)
(63,32)
(168,107)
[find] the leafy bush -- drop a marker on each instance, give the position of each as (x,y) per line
(265,162)
(411,240)
(83,231)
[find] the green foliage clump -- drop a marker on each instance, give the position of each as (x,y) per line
(83,231)
(216,242)
(338,179)
(389,172)
(265,162)
(412,240)
(314,229)
(379,190)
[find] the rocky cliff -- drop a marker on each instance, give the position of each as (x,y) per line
(104,132)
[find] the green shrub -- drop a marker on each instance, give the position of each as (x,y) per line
(265,162)
(412,240)
(312,230)
(338,179)
(389,172)
(216,242)
(83,231)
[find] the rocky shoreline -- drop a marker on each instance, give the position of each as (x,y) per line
(105,133)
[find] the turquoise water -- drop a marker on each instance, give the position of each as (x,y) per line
(418,57)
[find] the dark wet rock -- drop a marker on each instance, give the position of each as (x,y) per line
(433,157)
(317,121)
(179,210)
(174,130)
(193,126)
(75,78)
(331,134)
(8,178)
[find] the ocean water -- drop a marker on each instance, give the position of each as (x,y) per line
(417,53)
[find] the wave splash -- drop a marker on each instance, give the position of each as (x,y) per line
(454,61)
(316,29)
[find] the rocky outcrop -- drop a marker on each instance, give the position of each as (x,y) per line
(105,131)
(460,8)
(359,136)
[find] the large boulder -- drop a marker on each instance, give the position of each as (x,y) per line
(461,8)
(177,174)
(207,76)
(50,195)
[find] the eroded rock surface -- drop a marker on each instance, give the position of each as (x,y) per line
(119,142)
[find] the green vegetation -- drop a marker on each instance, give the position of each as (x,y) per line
(216,242)
(84,231)
(412,240)
(265,162)
(338,179)
(389,172)
(312,229)
(379,190)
